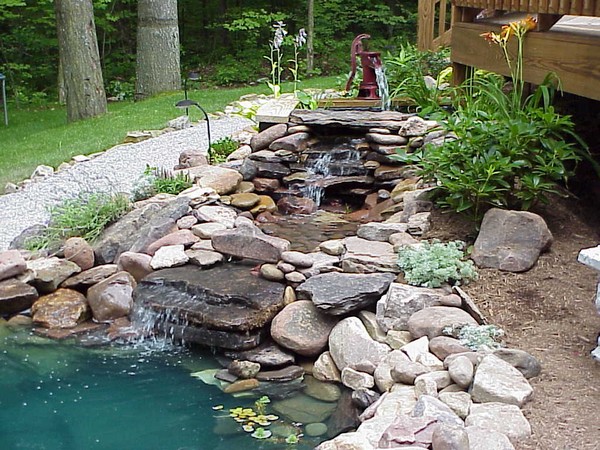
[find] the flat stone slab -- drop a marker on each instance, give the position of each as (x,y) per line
(352,119)
(590,257)
(277,110)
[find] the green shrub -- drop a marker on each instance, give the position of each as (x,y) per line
(222,148)
(85,216)
(432,264)
(159,181)
(476,337)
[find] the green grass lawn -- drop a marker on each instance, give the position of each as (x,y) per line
(42,136)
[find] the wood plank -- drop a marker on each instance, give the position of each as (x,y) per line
(543,6)
(553,7)
(573,57)
(442,18)
(426,23)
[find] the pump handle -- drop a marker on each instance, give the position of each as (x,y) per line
(355,48)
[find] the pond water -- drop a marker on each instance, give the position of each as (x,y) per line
(60,396)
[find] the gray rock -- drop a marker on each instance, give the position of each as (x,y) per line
(425,386)
(369,320)
(300,327)
(137,264)
(370,256)
(334,247)
(90,277)
(222,180)
(243,369)
(271,272)
(191,157)
(265,156)
(206,230)
(296,205)
(16,296)
(461,371)
(409,432)
(441,378)
(383,371)
(288,373)
(386,139)
(397,339)
(271,170)
(169,256)
(325,369)
(407,371)
(511,240)
(203,258)
(459,402)
(267,354)
(428,406)
(497,381)
(432,321)
(354,379)
(413,126)
(206,308)
(327,392)
(450,438)
(49,273)
(524,362)
(296,142)
(354,441)
(218,214)
(486,439)
(285,267)
(249,242)
(361,120)
(136,230)
(263,139)
(11,264)
(341,293)
(363,398)
(377,231)
(297,259)
(401,302)
(350,344)
(179,237)
(112,298)
(417,347)
(295,277)
(500,417)
(443,346)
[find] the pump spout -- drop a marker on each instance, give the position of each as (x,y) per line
(370,61)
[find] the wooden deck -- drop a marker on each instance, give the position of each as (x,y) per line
(567,42)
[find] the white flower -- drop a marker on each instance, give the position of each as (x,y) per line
(280,33)
(301,38)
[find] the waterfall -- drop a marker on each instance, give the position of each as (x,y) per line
(317,170)
(384,90)
(157,329)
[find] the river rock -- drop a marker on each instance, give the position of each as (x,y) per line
(218,312)
(395,308)
(49,273)
(271,170)
(295,277)
(363,398)
(392,140)
(296,142)
(341,293)
(347,441)
(407,371)
(137,264)
(500,417)
(486,439)
(524,362)
(267,354)
(382,374)
(354,379)
(263,139)
(459,402)
(333,247)
(297,259)
(441,378)
(204,258)
(218,214)
(169,256)
(241,386)
(327,392)
(78,250)
(370,256)
(207,229)
(409,432)
(461,371)
(296,205)
(16,296)
(265,156)
(90,277)
(139,228)
(180,237)
(511,240)
(243,369)
(244,200)
(271,272)
(497,381)
(432,321)
(413,126)
(12,264)
(304,409)
(325,369)
(112,298)
(443,346)
(350,344)
(369,320)
(378,231)
(222,180)
(428,406)
(266,184)
(248,241)
(450,438)
(191,157)
(64,308)
(302,328)
(265,205)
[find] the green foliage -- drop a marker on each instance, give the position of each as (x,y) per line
(85,216)
(432,264)
(159,181)
(222,148)
(120,90)
(477,337)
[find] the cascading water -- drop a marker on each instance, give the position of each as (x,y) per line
(383,88)
(159,329)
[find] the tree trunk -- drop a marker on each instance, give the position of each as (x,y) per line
(310,37)
(157,68)
(79,59)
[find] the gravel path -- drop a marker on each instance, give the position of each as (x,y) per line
(114,171)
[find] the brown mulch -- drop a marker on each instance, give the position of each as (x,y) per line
(549,312)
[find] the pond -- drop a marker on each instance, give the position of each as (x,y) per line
(61,396)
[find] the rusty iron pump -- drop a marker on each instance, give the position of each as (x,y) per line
(369,62)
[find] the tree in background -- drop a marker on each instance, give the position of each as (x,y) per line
(157,57)
(80,61)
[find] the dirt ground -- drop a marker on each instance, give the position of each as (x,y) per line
(549,312)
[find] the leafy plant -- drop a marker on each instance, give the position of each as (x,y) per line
(85,216)
(159,180)
(222,148)
(476,337)
(432,264)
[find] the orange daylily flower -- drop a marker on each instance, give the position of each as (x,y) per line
(517,27)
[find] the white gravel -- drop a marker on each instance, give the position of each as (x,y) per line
(114,171)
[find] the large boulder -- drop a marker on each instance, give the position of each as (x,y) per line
(401,301)
(369,256)
(16,296)
(222,180)
(302,328)
(226,306)
(248,241)
(342,293)
(511,240)
(64,308)
(350,345)
(431,321)
(79,251)
(500,417)
(263,139)
(138,229)
(112,298)
(87,278)
(48,273)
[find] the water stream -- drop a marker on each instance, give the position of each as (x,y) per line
(384,90)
